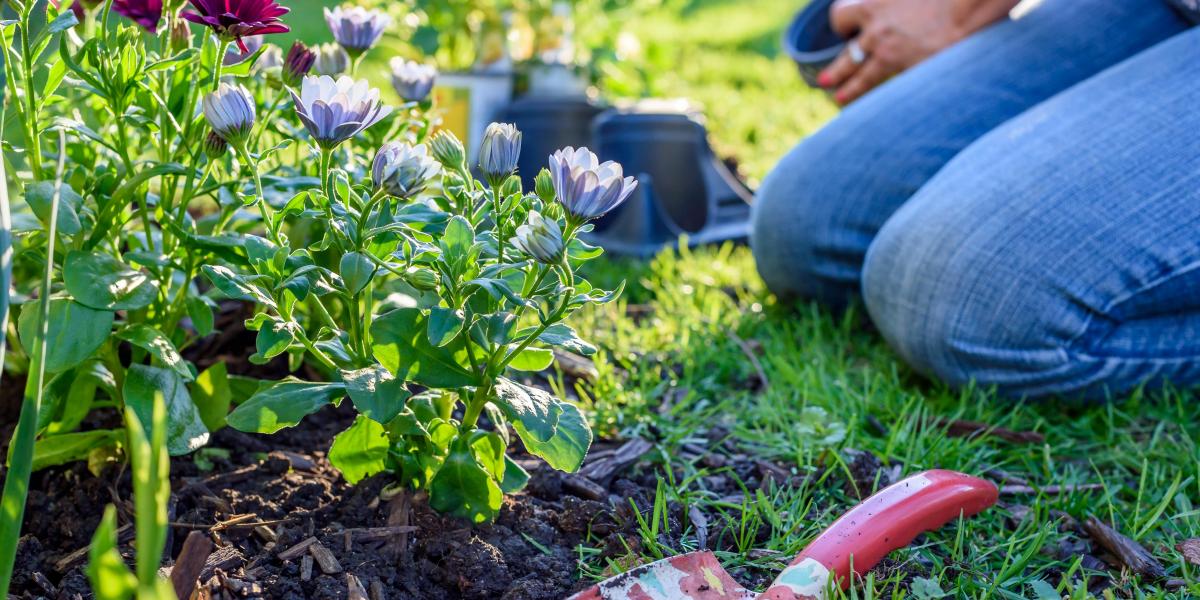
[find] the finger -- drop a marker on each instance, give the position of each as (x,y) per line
(838,72)
(847,17)
(872,73)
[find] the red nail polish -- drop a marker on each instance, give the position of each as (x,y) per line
(840,97)
(824,79)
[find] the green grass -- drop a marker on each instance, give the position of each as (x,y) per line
(828,375)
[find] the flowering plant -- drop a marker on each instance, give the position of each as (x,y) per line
(179,172)
(435,288)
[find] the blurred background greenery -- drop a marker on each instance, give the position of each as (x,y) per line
(723,55)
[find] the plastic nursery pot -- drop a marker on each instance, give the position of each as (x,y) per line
(683,189)
(811,41)
(549,124)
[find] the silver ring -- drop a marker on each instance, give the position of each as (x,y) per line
(856,53)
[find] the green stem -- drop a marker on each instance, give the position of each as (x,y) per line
(499,224)
(320,356)
(475,407)
(34,151)
(263,208)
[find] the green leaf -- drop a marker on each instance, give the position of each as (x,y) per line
(283,405)
(159,346)
(563,336)
(171,61)
(68,447)
(401,345)
(212,396)
(536,410)
(236,286)
(456,242)
(356,271)
(567,449)
(1042,590)
(462,487)
(40,194)
(532,360)
(274,338)
(103,282)
(111,579)
(69,396)
(444,325)
(200,311)
(515,477)
(75,332)
(361,450)
(376,393)
(185,429)
(924,588)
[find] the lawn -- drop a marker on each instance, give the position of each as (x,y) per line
(678,370)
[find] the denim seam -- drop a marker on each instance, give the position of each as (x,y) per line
(1089,334)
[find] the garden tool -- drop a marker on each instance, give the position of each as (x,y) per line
(854,544)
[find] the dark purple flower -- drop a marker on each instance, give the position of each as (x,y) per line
(146,13)
(297,64)
(232,20)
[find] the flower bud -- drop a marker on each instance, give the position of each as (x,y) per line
(543,186)
(230,112)
(330,60)
(421,279)
(181,36)
(540,238)
(215,146)
(499,152)
(403,170)
(297,64)
(447,149)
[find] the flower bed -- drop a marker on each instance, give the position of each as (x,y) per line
(182,171)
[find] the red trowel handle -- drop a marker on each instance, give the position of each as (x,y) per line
(890,519)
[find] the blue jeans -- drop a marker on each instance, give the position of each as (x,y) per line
(1022,210)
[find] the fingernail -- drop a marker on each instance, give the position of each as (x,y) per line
(824,79)
(840,97)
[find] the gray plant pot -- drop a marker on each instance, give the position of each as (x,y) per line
(811,41)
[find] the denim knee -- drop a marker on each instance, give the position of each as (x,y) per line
(964,311)
(808,227)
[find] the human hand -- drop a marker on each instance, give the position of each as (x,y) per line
(892,35)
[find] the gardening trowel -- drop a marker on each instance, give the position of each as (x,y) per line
(854,544)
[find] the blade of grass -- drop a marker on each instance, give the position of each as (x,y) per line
(5,249)
(16,484)
(151,488)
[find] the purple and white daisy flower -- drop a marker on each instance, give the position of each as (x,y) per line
(355,28)
(334,111)
(587,188)
(412,80)
(403,170)
(230,112)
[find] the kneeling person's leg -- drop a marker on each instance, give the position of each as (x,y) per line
(1060,254)
(819,210)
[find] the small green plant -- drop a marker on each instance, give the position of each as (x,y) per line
(110,578)
(439,300)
